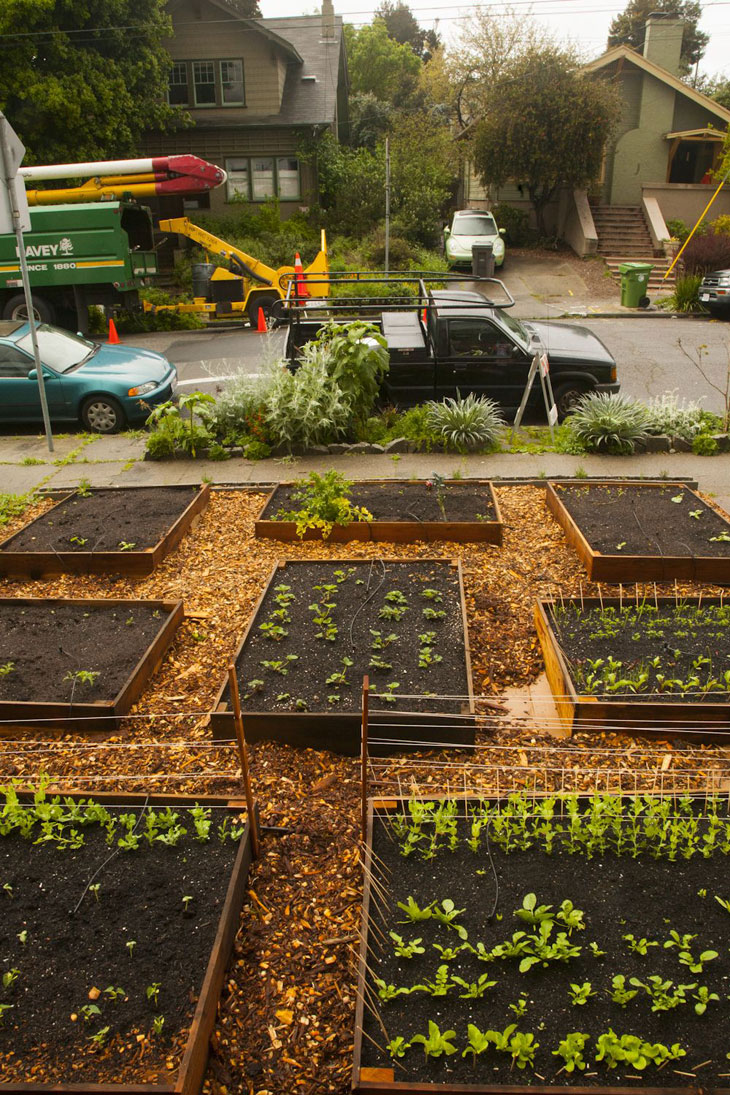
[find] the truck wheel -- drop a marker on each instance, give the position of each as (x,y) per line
(17,309)
(102,414)
(271,304)
(567,398)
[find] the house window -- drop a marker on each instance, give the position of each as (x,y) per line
(177,94)
(204,83)
(232,83)
(257,178)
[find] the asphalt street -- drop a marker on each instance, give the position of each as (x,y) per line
(651,353)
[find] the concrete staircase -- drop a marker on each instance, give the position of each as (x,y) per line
(623,236)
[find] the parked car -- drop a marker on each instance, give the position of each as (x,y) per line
(105,387)
(470,226)
(715,293)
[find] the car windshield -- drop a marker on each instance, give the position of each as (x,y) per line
(516,328)
(474,226)
(59,350)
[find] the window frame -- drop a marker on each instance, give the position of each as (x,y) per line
(217,64)
(248,196)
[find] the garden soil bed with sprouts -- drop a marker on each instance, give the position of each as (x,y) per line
(113,958)
(660,665)
(119,531)
(638,871)
(402,511)
(84,662)
(320,627)
(627,532)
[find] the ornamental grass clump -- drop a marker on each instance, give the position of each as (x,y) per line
(466,425)
(609,423)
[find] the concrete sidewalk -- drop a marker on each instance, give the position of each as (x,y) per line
(118,462)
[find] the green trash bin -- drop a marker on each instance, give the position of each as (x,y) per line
(634,282)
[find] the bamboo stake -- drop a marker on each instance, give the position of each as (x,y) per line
(243,756)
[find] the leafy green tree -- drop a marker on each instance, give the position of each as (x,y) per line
(486,46)
(370,120)
(381,66)
(717,87)
(545,126)
(629,27)
(424,170)
(85,77)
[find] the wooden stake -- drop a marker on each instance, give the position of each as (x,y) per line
(243,757)
(364,760)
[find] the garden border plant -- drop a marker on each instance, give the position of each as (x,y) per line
(99,715)
(128,560)
(188,1079)
(326,727)
(615,701)
(390,531)
(623,566)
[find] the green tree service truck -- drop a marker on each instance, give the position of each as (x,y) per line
(89,253)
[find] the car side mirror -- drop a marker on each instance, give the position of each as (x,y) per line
(33,374)
(447,231)
(503,231)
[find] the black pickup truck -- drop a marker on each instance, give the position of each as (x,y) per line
(467,344)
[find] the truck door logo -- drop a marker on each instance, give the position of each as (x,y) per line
(66,246)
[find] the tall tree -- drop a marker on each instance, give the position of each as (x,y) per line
(545,126)
(629,27)
(485,47)
(82,79)
(380,65)
(403,27)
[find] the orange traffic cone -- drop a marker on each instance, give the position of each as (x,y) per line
(301,285)
(113,336)
(262,328)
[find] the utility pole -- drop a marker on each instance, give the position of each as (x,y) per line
(11,155)
(387,205)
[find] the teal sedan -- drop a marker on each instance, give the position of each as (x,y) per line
(470,226)
(102,386)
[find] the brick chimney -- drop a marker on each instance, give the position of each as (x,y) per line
(663,41)
(328,19)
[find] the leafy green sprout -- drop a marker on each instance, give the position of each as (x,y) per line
(23,936)
(130,945)
(9,978)
(96,890)
(520,1007)
(703,996)
(82,676)
(152,992)
(8,889)
(114,992)
(99,1039)
(157,1024)
(436,1043)
(580,994)
(638,946)
(7,669)
(80,540)
(403,949)
(3,1009)
(397,1047)
(90,1011)
(571,1050)
(186,901)
(619,993)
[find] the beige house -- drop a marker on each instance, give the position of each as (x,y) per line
(255,89)
(658,165)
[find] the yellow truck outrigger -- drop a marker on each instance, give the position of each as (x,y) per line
(244,288)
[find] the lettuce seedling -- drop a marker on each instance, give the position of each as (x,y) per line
(571,1050)
(406,950)
(436,1043)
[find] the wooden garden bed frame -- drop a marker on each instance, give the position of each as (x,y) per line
(634,568)
(394,532)
(340,732)
(135,563)
(594,713)
(191,1072)
(382,1081)
(99,716)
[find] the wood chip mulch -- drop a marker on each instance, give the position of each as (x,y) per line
(287,1012)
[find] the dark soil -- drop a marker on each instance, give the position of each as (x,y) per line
(401,501)
(643,520)
(45,642)
(66,955)
(675,634)
(619,895)
(359,600)
(105,519)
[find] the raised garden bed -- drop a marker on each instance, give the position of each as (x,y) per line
(320,627)
(658,665)
(626,532)
(402,511)
(83,662)
(114,954)
(599,888)
(120,531)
